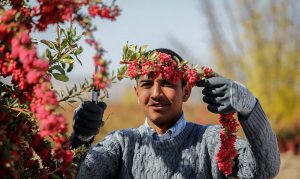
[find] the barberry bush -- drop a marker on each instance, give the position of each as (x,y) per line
(33,138)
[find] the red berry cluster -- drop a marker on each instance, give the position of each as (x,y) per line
(192,76)
(227,151)
(22,136)
(101,79)
(32,68)
(104,11)
(163,65)
(101,75)
(133,68)
(54,11)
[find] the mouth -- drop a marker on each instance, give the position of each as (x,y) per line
(158,106)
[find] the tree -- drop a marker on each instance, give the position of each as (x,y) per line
(258,43)
(33,139)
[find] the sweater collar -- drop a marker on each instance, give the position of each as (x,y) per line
(172,132)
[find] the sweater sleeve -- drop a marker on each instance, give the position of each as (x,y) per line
(75,142)
(103,159)
(262,141)
(258,156)
(244,162)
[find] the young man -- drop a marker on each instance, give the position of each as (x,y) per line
(166,146)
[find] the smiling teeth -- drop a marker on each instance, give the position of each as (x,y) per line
(158,105)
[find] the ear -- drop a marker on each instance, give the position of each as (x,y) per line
(136,90)
(137,94)
(186,93)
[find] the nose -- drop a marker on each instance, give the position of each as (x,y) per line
(156,91)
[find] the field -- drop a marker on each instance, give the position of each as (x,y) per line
(121,115)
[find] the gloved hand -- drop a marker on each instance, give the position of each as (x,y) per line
(88,119)
(225,96)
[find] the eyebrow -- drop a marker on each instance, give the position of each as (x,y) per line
(149,80)
(145,80)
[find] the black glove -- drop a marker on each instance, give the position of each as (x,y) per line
(225,96)
(87,119)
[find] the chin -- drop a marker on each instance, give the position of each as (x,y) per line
(157,119)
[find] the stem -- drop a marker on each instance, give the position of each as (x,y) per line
(75,94)
(47,174)
(20,110)
(58,40)
(71,21)
(124,62)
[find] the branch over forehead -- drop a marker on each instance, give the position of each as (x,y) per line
(161,62)
(166,51)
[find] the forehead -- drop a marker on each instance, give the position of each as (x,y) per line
(159,79)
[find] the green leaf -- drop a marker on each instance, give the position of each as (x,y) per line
(121,72)
(67,89)
(71,91)
(132,48)
(56,45)
(73,32)
(133,56)
(62,31)
(78,60)
(176,59)
(77,38)
(49,54)
(60,77)
(66,58)
(138,55)
(18,14)
(58,68)
(152,55)
(2,94)
(72,101)
(184,62)
(77,51)
(106,93)
(125,50)
(75,87)
(70,68)
(48,43)
(64,43)
(143,49)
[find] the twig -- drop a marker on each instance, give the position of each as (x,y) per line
(47,174)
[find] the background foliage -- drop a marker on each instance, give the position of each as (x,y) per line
(258,43)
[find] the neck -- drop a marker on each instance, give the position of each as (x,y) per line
(162,128)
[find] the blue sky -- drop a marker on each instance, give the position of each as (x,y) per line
(174,24)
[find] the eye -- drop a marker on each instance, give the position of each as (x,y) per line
(146,84)
(167,83)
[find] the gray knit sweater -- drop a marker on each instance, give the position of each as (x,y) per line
(132,153)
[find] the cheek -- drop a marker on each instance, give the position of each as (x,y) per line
(174,95)
(144,97)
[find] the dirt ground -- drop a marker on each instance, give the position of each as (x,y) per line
(290,167)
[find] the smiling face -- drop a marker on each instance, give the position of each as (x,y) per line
(161,100)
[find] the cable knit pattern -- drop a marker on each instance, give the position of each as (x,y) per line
(260,136)
(132,153)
